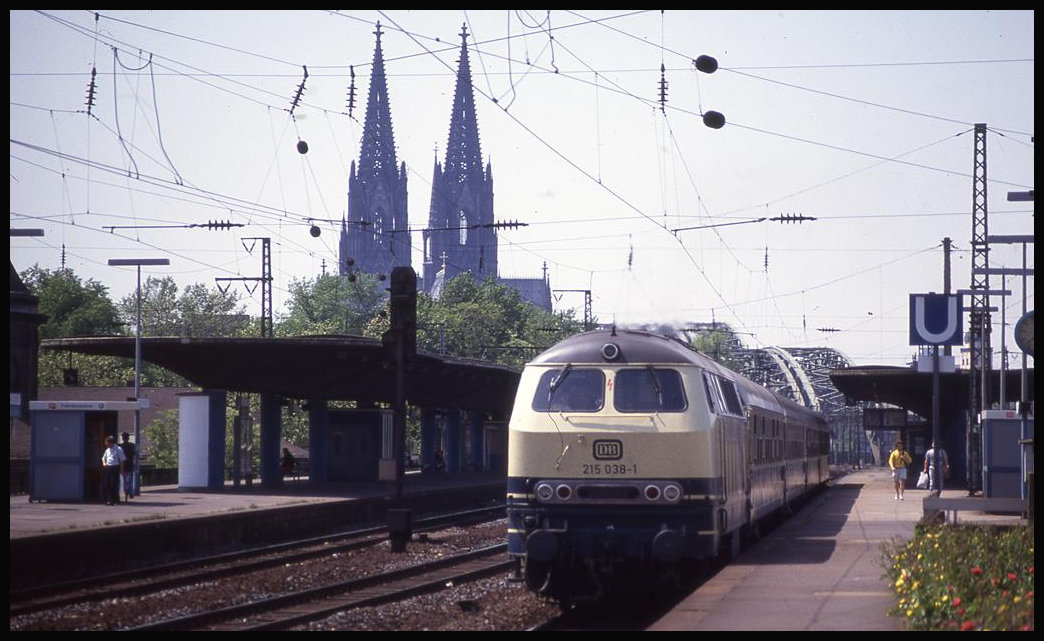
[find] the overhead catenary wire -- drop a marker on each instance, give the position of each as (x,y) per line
(596,81)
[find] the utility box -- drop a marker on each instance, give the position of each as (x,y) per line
(1007,453)
(66,443)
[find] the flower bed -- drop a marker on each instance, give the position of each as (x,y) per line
(963,577)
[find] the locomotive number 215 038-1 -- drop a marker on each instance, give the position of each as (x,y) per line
(609,469)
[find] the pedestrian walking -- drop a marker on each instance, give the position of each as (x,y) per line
(935,481)
(897,461)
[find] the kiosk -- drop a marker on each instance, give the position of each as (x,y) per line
(66,445)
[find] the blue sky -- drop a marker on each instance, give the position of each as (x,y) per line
(862,120)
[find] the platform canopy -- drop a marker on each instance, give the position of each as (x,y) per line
(316,367)
(906,387)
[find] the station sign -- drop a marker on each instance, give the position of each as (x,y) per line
(936,319)
(63,406)
(884,418)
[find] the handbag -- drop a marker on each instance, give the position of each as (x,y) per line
(922,481)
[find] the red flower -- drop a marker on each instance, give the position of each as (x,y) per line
(967,625)
(976,570)
(1011,576)
(956,601)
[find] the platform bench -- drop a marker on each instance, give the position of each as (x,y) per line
(951,506)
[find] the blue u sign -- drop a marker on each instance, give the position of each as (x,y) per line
(935,319)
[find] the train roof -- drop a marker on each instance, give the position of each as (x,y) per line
(620,346)
(623,346)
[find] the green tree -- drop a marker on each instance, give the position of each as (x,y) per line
(489,321)
(75,308)
(207,312)
(197,311)
(332,304)
(161,434)
(718,344)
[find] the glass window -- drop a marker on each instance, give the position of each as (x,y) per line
(648,390)
(570,390)
(732,400)
(712,393)
(722,395)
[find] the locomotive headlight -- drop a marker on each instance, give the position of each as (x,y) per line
(672,493)
(652,492)
(564,492)
(545,492)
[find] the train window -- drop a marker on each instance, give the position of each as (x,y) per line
(722,395)
(570,389)
(713,400)
(648,390)
(732,400)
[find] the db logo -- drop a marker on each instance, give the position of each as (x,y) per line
(607,450)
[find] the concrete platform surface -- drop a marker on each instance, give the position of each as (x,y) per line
(822,569)
(168,502)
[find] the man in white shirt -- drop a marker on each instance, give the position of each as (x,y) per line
(935,482)
(112,461)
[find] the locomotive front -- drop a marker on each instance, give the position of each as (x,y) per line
(611,476)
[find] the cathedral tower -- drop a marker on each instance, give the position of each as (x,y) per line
(460,232)
(375,235)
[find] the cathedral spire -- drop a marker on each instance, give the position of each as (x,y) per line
(461,216)
(376,235)
(377,157)
(463,152)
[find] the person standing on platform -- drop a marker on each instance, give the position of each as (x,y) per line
(113,459)
(287,463)
(929,467)
(130,485)
(897,461)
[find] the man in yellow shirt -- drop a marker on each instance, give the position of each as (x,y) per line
(898,460)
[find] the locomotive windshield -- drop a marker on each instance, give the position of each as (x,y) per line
(648,390)
(570,390)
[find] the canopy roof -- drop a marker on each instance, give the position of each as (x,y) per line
(316,367)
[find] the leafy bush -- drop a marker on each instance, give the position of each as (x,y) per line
(963,577)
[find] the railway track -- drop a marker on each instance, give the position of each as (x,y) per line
(157,578)
(285,611)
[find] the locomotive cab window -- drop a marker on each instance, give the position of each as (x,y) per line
(722,395)
(570,389)
(648,390)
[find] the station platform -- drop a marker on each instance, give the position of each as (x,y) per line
(168,502)
(61,539)
(822,568)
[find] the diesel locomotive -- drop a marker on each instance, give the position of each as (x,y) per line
(633,458)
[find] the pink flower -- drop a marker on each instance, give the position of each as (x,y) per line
(967,625)
(956,601)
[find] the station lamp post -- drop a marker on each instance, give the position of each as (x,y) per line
(137,262)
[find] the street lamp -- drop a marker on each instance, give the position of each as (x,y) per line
(137,262)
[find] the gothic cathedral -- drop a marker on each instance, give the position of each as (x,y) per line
(461,235)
